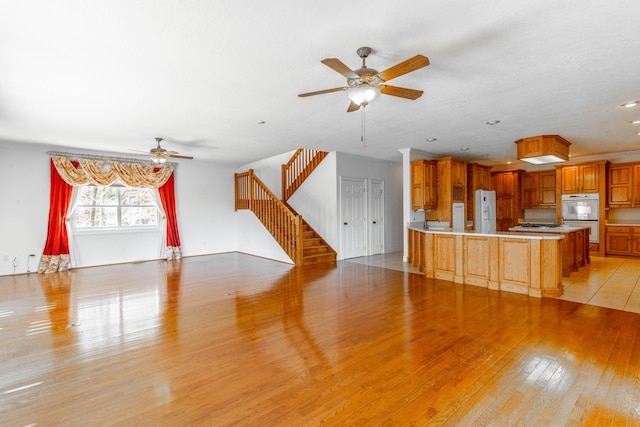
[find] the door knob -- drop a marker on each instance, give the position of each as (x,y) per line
(374,222)
(345,223)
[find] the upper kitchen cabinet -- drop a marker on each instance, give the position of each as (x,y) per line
(478,178)
(583,178)
(504,183)
(624,185)
(621,185)
(636,184)
(451,187)
(539,190)
(423,184)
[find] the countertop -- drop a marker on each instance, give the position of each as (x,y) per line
(557,229)
(505,234)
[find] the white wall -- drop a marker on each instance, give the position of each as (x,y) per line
(269,171)
(24,206)
(317,200)
(207,218)
(205,210)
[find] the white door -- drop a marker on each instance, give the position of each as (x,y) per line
(376,217)
(353,217)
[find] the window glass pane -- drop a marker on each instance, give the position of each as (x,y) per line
(137,196)
(92,195)
(96,217)
(139,216)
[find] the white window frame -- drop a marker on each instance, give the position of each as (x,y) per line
(117,229)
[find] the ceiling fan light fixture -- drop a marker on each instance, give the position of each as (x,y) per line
(158,160)
(363,94)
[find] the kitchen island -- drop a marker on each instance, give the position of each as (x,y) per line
(575,245)
(528,264)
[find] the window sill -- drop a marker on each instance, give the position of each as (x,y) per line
(112,231)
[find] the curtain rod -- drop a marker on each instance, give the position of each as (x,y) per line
(106,158)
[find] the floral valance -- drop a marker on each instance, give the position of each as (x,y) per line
(106,172)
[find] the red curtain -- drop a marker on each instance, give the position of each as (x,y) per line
(168,199)
(55,256)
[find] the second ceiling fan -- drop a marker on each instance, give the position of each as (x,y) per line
(365,84)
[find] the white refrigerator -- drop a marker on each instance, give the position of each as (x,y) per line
(485,215)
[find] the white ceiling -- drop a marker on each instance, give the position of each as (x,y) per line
(111,75)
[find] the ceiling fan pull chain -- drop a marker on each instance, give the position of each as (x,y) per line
(362,127)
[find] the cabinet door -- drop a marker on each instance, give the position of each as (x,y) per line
(505,209)
(618,240)
(588,178)
(636,185)
(620,185)
(504,184)
(430,185)
(635,247)
(530,195)
(570,180)
(417,185)
(548,189)
(458,173)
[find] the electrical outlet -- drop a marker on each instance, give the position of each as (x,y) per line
(5,258)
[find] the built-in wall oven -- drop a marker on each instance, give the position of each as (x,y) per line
(582,210)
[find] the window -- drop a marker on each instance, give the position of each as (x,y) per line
(115,207)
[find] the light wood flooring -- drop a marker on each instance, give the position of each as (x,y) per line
(232,339)
(606,282)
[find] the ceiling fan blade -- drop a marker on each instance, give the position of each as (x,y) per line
(337,65)
(178,156)
(139,151)
(320,92)
(401,92)
(353,107)
(404,67)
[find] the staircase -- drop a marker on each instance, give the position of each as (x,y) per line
(314,249)
(297,238)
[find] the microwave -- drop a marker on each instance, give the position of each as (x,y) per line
(580,207)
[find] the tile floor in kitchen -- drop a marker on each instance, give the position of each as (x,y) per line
(606,282)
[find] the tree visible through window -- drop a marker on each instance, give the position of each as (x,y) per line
(115,207)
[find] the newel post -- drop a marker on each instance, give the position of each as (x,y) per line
(299,248)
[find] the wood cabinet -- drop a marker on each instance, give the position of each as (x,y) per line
(478,178)
(423,184)
(624,185)
(583,178)
(636,185)
(451,188)
(539,190)
(508,206)
(575,247)
(622,240)
(528,265)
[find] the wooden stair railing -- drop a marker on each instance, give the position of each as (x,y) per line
(284,226)
(298,168)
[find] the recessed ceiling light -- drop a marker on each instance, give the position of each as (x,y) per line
(431,139)
(635,122)
(261,122)
(629,104)
(484,155)
(465,149)
(493,122)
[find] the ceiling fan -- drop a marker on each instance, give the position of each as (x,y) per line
(365,84)
(160,155)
